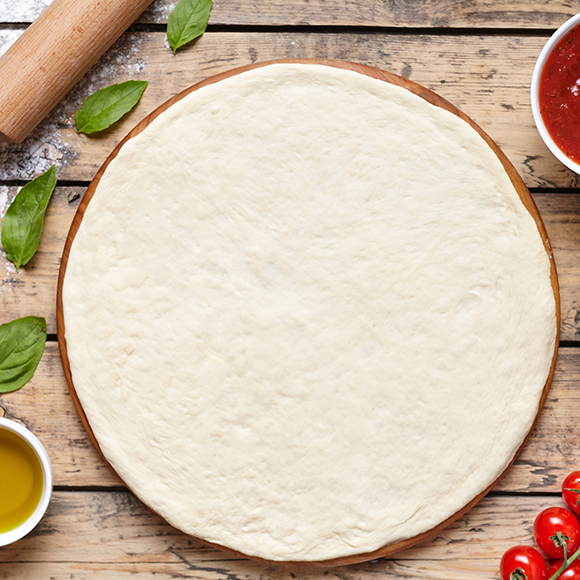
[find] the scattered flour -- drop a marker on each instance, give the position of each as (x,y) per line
(28,10)
(21,10)
(8,38)
(158,11)
(5,199)
(48,145)
(41,149)
(55,141)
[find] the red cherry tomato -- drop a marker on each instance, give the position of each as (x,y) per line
(553,520)
(571,491)
(525,559)
(571,573)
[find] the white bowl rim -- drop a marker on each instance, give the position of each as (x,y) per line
(27,526)
(554,39)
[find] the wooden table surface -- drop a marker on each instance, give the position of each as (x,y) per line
(479,55)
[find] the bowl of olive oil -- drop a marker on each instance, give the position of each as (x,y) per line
(25,481)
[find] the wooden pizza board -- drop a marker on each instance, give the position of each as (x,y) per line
(425,94)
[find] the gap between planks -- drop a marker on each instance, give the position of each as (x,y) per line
(45,407)
(115,529)
(33,289)
(485,76)
(431,14)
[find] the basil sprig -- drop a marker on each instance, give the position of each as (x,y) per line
(22,225)
(187,21)
(22,343)
(103,108)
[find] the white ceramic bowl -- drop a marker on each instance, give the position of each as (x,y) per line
(23,529)
(554,39)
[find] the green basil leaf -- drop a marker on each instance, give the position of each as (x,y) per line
(22,225)
(21,346)
(187,21)
(103,108)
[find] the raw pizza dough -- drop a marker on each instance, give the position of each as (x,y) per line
(307,314)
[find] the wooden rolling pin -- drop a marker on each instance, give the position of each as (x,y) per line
(53,54)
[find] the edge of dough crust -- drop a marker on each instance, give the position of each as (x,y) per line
(307,314)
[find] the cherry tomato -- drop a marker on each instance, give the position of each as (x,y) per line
(553,520)
(571,573)
(571,491)
(527,560)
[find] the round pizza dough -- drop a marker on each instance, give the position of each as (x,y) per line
(307,314)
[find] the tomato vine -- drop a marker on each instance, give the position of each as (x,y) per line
(557,533)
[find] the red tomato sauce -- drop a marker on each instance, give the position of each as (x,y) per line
(559,94)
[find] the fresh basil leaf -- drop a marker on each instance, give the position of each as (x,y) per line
(21,346)
(22,225)
(103,108)
(187,21)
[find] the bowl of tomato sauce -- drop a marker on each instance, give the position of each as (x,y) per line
(556,93)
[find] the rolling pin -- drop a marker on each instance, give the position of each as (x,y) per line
(53,54)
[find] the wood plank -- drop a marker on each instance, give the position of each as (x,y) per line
(112,535)
(426,14)
(45,407)
(494,91)
(33,289)
(446,14)
(552,451)
(561,215)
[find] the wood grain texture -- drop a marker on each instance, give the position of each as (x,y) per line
(552,451)
(45,407)
(487,77)
(372,13)
(114,536)
(561,214)
(32,290)
(395,13)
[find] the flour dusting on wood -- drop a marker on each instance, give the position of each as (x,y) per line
(8,38)
(22,10)
(55,141)
(158,11)
(28,10)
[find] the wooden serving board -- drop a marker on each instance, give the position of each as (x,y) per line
(418,90)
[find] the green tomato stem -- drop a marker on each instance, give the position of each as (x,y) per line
(567,562)
(562,543)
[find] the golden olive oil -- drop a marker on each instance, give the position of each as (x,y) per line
(21,480)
